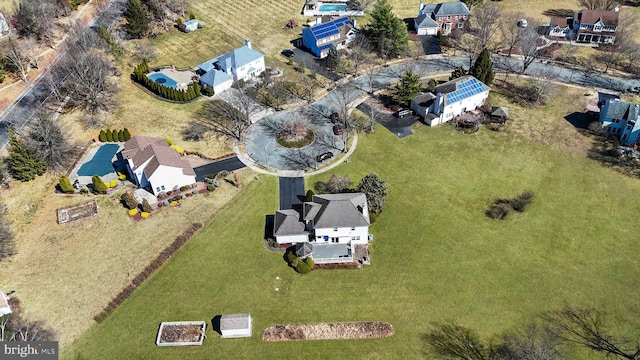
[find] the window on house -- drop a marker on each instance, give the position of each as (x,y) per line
(158,189)
(334,239)
(335,229)
(464,17)
(162,187)
(439,18)
(457,17)
(448,17)
(353,228)
(460,25)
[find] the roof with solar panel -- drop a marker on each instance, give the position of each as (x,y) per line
(461,88)
(329,28)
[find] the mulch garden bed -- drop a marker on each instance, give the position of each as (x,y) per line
(181,333)
(328,331)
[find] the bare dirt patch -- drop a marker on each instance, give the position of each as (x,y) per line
(328,331)
(181,333)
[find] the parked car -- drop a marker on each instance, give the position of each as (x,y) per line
(403,112)
(634,90)
(337,130)
(288,53)
(324,156)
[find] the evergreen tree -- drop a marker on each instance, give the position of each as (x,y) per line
(408,87)
(128,200)
(120,135)
(197,88)
(127,134)
(109,136)
(146,207)
(333,58)
(65,185)
(103,136)
(387,31)
(457,72)
(98,185)
(376,191)
(483,68)
(137,21)
(23,161)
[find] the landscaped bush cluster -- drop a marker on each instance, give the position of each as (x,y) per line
(114,135)
(502,207)
(65,185)
(129,201)
(165,255)
(140,76)
(302,266)
(350,265)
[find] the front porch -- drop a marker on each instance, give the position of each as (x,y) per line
(595,38)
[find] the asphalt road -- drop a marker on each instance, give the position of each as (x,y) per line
(291,191)
(229,164)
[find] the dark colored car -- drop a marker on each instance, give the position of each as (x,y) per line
(337,130)
(288,53)
(324,156)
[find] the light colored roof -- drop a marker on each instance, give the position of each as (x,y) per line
(622,110)
(587,16)
(446,9)
(287,222)
(324,251)
(341,210)
(235,322)
(304,249)
(500,111)
(235,59)
(140,149)
(190,22)
(215,77)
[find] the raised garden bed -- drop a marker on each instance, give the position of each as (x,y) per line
(181,333)
(328,331)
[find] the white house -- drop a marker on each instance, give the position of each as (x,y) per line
(592,26)
(235,325)
(154,165)
(243,63)
(450,100)
(621,119)
(332,224)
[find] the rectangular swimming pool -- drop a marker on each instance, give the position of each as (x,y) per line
(163,79)
(101,164)
(332,7)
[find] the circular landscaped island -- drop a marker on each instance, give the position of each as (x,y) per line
(295,136)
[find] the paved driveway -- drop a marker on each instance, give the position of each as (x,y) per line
(291,191)
(229,164)
(401,127)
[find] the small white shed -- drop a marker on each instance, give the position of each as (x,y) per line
(5,309)
(191,25)
(235,325)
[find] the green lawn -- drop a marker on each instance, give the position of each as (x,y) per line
(435,256)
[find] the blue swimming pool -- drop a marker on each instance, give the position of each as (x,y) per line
(163,79)
(332,7)
(101,164)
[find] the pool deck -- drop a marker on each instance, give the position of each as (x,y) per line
(182,78)
(89,153)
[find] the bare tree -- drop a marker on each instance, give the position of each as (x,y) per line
(195,131)
(533,342)
(542,84)
(456,342)
(226,120)
(17,59)
(7,242)
(510,32)
(529,44)
(145,51)
(20,328)
(585,327)
(335,185)
(486,24)
(90,80)
(48,141)
(599,4)
(470,45)
(360,48)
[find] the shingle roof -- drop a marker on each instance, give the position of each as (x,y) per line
(622,110)
(587,16)
(287,222)
(329,28)
(561,22)
(424,99)
(215,77)
(341,210)
(236,58)
(446,9)
(235,322)
(500,111)
(425,21)
(153,152)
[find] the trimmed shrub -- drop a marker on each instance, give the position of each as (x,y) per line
(165,203)
(169,192)
(120,135)
(102,136)
(122,176)
(211,187)
(65,185)
(133,212)
(194,192)
(184,196)
(113,183)
(309,261)
(184,188)
(178,148)
(303,268)
(173,203)
(127,134)
(146,207)
(179,21)
(128,200)
(310,194)
(192,16)
(144,214)
(181,201)
(293,259)
(109,136)
(98,185)
(169,141)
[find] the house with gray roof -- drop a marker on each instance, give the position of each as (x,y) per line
(154,165)
(326,228)
(451,99)
(621,119)
(442,17)
(243,63)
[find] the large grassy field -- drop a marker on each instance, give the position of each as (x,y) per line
(435,256)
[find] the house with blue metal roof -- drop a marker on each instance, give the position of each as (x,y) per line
(243,63)
(451,99)
(621,119)
(319,38)
(442,17)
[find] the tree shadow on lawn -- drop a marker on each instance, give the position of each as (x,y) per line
(607,152)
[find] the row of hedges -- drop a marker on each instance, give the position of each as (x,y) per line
(140,76)
(114,135)
(165,255)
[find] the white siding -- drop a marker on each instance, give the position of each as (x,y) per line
(171,177)
(257,65)
(291,239)
(344,234)
(222,87)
